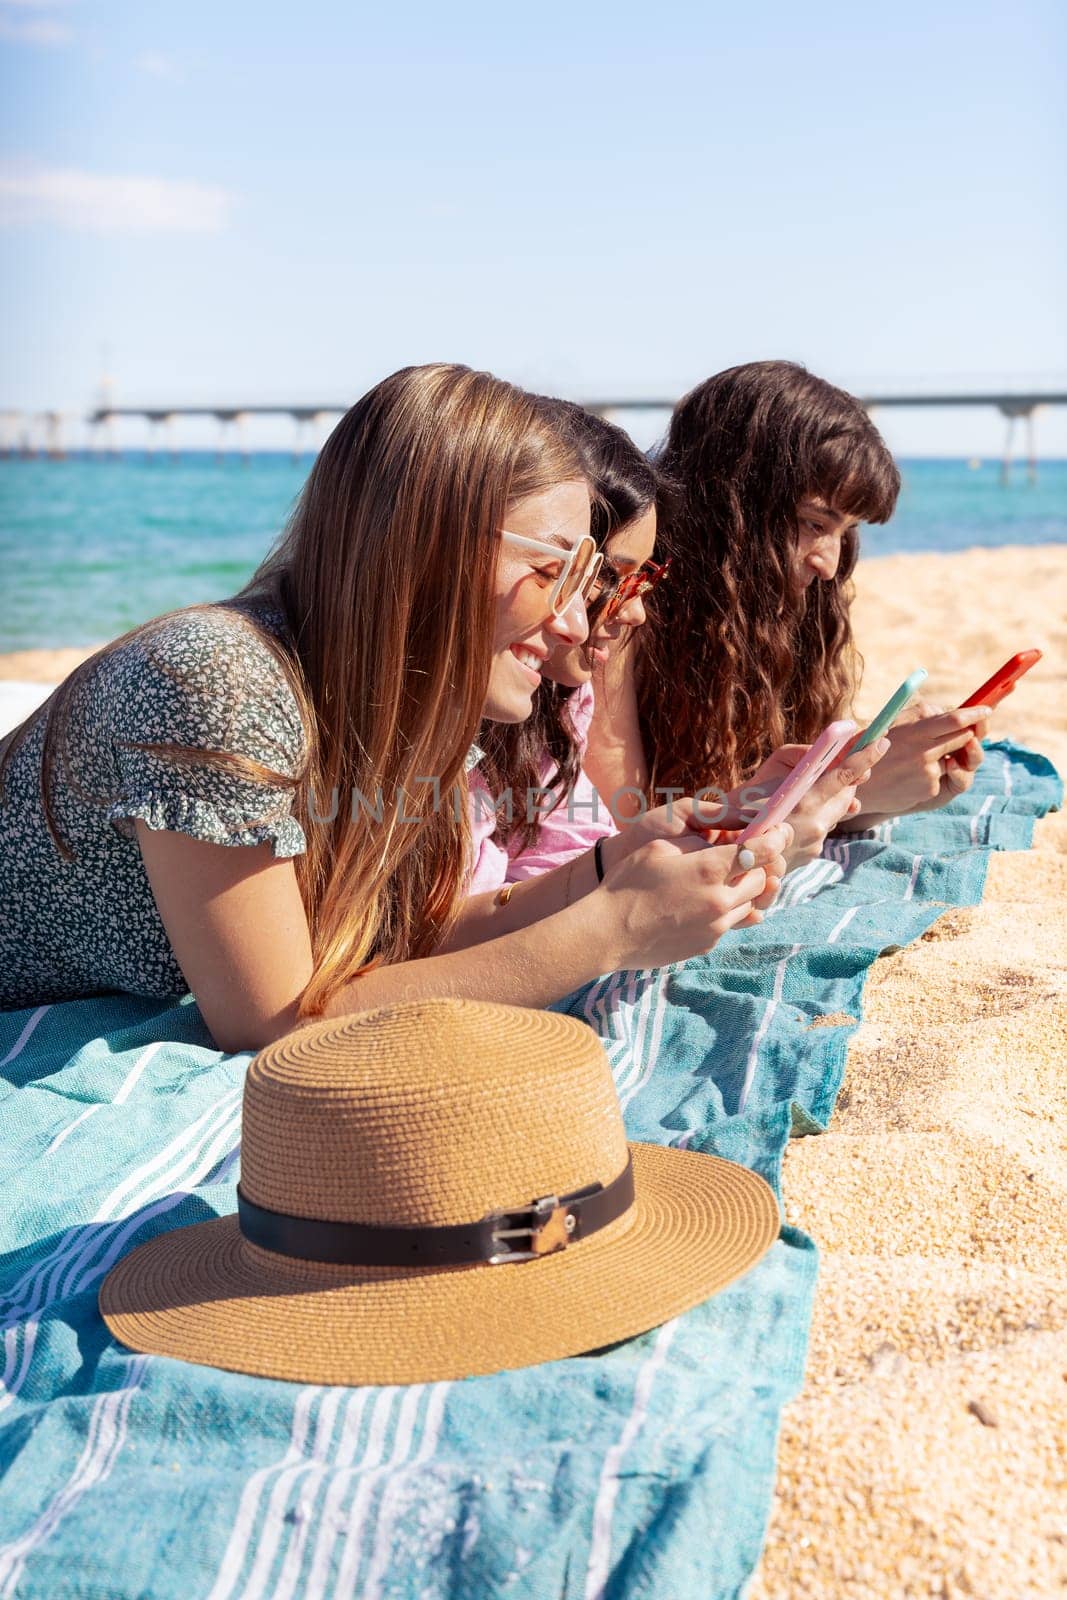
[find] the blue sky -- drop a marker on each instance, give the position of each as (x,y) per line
(236,202)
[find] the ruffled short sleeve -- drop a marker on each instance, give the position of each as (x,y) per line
(204,681)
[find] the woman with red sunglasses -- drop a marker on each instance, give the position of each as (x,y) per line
(564,815)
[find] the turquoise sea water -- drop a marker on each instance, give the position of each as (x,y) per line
(90,547)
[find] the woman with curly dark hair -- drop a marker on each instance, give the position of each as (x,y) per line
(751,645)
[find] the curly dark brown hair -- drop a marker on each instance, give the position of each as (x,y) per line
(624,486)
(733,663)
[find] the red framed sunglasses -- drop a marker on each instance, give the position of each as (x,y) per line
(623,590)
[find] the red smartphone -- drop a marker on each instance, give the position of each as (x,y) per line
(811,766)
(1003,680)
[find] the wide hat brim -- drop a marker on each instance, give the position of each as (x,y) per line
(202,1294)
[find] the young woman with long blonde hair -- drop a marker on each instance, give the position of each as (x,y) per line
(264,800)
(546,751)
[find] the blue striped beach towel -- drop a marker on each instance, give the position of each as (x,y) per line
(642,1470)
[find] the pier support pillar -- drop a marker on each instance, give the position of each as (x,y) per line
(161,426)
(301,421)
(1031,447)
(308,425)
(235,421)
(105,441)
(53,436)
(1005,464)
(1013,411)
(9,428)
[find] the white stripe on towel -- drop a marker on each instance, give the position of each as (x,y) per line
(106,1437)
(983,808)
(317,1584)
(274,1521)
(839,927)
(765,1021)
(118,1100)
(317,1476)
(189,1154)
(65,1133)
(352,1549)
(652,1018)
(24,1037)
(389,1511)
(234,1554)
(9,1387)
(599,1567)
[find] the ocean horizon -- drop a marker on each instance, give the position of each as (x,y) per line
(91,545)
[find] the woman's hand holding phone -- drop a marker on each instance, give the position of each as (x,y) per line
(826,804)
(672,898)
(682,819)
(933,758)
(815,787)
(991,693)
(678,820)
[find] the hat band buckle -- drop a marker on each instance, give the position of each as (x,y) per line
(548,1224)
(551,1225)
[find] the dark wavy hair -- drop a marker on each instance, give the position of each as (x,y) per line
(624,486)
(733,663)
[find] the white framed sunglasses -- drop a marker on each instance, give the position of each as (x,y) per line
(579,567)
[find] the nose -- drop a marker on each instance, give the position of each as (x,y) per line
(572,625)
(633,613)
(824,558)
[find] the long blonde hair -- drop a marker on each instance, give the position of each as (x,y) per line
(384,575)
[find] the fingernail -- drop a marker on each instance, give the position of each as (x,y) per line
(745,859)
(882,746)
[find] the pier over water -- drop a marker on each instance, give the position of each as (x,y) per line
(46,433)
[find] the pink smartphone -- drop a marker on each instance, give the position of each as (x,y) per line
(808,770)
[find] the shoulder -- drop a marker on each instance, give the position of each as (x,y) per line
(213,643)
(211,678)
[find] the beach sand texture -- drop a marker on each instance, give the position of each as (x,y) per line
(927,1453)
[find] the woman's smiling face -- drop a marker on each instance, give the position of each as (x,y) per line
(526,631)
(626,551)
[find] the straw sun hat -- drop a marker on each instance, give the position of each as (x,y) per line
(433,1190)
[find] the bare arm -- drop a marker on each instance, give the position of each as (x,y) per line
(615,756)
(236,923)
(237,926)
(482,917)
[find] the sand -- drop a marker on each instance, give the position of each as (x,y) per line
(43,666)
(927,1453)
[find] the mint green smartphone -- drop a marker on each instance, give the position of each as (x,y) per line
(891,710)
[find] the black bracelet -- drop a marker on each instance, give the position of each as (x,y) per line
(598,860)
